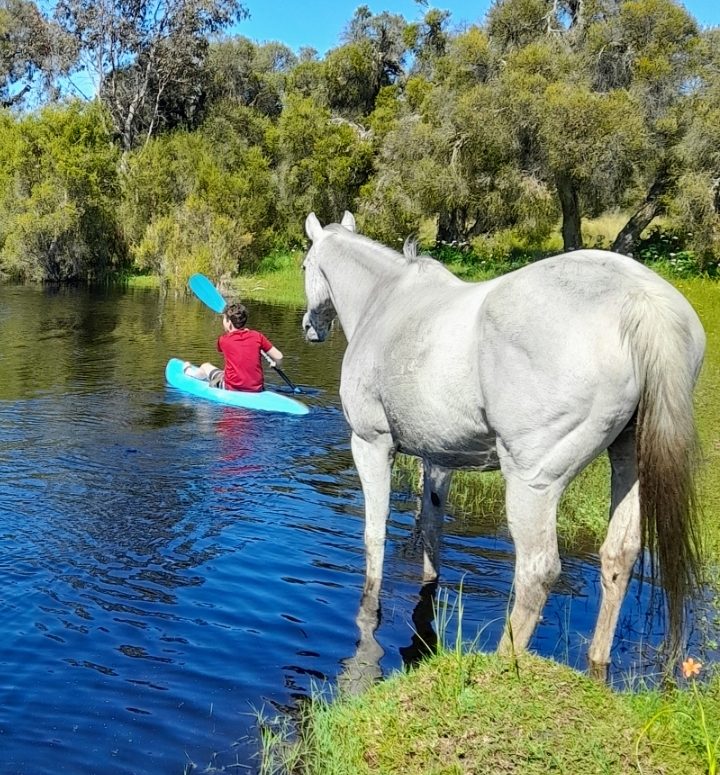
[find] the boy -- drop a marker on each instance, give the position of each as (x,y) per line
(241,347)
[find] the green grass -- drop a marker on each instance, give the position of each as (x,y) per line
(279,280)
(491,718)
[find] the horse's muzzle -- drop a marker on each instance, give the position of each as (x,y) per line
(311,332)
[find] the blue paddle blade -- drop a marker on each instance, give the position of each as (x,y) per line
(207,292)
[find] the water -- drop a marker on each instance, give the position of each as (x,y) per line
(168,567)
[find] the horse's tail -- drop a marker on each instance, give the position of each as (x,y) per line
(664,352)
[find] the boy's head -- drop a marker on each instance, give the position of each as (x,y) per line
(236,314)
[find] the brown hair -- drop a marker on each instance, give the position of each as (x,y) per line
(236,314)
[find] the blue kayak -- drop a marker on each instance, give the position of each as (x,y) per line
(264,401)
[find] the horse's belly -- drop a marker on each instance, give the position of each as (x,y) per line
(451,442)
(485,459)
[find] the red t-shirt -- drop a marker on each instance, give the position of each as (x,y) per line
(243,367)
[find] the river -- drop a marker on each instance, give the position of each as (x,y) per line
(169,567)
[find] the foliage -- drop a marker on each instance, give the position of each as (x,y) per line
(199,202)
(250,74)
(146,56)
(34,52)
(191,239)
(321,164)
(58,190)
(485,137)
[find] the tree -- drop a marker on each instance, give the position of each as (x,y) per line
(144,51)
(200,201)
(58,192)
(250,74)
(372,57)
(695,206)
(646,48)
(320,164)
(593,90)
(33,51)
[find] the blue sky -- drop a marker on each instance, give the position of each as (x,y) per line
(319,23)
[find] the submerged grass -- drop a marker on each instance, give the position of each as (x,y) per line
(582,512)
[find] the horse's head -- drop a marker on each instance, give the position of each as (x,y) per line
(320,309)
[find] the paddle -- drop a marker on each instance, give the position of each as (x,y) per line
(209,295)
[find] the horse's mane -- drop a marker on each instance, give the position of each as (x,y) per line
(410,249)
(409,254)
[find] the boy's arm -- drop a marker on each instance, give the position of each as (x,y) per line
(275,354)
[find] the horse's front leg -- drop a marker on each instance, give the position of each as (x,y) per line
(374,461)
(436,484)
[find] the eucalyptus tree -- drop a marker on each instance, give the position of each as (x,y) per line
(647,49)
(372,56)
(146,55)
(34,51)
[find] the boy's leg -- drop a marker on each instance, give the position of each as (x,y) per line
(204,372)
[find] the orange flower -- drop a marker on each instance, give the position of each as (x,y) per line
(690,667)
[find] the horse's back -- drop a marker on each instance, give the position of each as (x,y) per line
(559,348)
(580,296)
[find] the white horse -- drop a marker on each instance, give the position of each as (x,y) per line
(536,373)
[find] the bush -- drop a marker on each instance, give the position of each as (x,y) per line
(58,195)
(669,246)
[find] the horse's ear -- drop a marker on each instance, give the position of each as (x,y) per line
(348,221)
(313,228)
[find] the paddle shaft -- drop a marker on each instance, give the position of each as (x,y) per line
(274,365)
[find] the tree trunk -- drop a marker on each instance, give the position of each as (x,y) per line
(570,203)
(451,226)
(651,207)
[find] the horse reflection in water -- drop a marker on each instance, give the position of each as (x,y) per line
(362,670)
(535,373)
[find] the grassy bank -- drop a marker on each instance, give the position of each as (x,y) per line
(481,713)
(278,280)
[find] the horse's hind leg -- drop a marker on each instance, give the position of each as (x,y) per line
(373,461)
(531,514)
(436,484)
(620,549)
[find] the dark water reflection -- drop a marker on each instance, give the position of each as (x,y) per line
(167,566)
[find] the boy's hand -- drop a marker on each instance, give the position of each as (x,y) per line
(270,361)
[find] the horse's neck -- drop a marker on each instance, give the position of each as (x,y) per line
(356,278)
